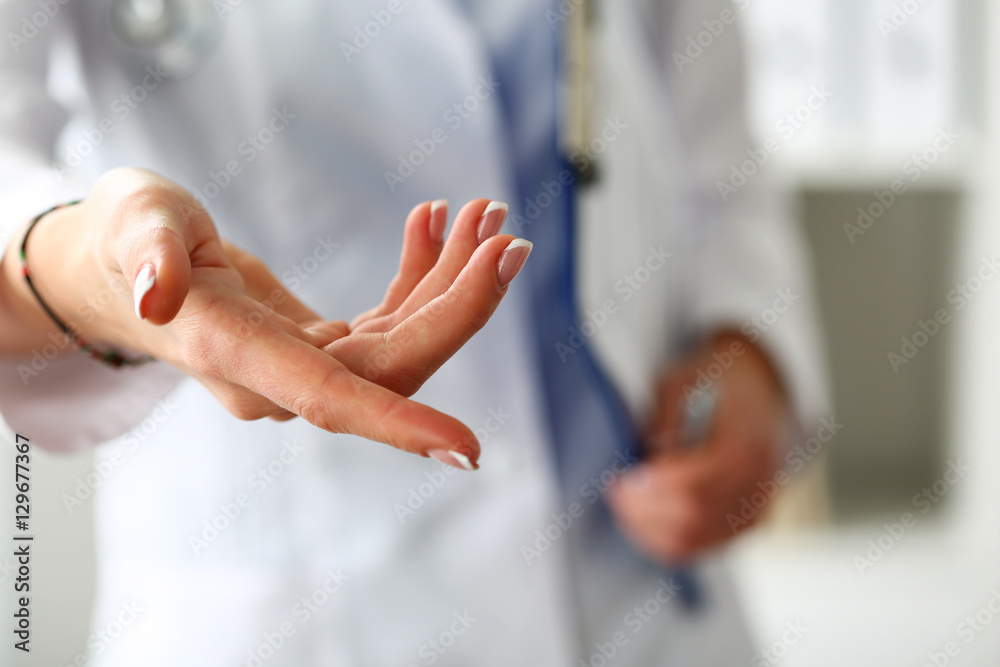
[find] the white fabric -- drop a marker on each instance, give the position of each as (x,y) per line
(334,507)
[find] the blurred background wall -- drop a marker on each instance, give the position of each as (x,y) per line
(900,76)
(913,94)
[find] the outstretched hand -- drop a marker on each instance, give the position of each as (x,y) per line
(188,298)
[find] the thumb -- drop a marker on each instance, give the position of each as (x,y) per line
(154,231)
(154,258)
(674,392)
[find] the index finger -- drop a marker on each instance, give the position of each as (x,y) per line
(308,382)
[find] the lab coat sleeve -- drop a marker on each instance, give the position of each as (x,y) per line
(752,272)
(65,402)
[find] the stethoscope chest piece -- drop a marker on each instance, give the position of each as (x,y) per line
(177,34)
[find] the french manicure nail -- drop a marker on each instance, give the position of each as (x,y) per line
(439,220)
(492,220)
(454,459)
(143,283)
(512,260)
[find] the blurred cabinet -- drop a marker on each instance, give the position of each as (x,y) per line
(879,294)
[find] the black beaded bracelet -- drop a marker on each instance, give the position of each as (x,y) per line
(109,357)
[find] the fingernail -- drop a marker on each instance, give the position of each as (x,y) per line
(143,283)
(439,219)
(512,260)
(454,459)
(492,220)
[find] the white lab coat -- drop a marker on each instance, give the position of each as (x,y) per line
(335,550)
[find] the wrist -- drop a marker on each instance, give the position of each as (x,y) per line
(52,295)
(54,256)
(72,280)
(25,326)
(749,359)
